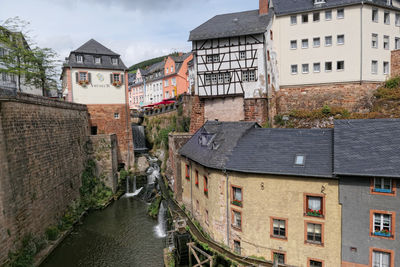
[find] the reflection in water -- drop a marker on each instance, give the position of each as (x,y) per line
(121,235)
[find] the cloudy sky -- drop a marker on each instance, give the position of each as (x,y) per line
(135,29)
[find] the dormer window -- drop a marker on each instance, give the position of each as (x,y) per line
(318,2)
(79,58)
(114,61)
(205,138)
(97,60)
(300,160)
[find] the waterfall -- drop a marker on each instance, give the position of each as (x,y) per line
(161,228)
(139,139)
(134,184)
(135,191)
(127,184)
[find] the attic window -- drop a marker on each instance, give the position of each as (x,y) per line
(79,58)
(97,60)
(318,2)
(205,138)
(114,61)
(300,160)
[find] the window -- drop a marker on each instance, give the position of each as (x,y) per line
(215,58)
(385,67)
(114,61)
(196,178)
(397,19)
(328,66)
(381,258)
(249,76)
(316,42)
(220,78)
(205,185)
(187,172)
(314,233)
(375,15)
(278,257)
(340,39)
(79,59)
(340,65)
(293,20)
(166,70)
(227,77)
(166,83)
(293,44)
(173,81)
(340,13)
(97,60)
(374,67)
(328,40)
(237,196)
(315,263)
(386,42)
(383,185)
(386,18)
(214,78)
(242,55)
(207,79)
(82,76)
(116,77)
(278,228)
(245,76)
(209,59)
(316,16)
(374,43)
(236,219)
(116,115)
(304,43)
(314,205)
(293,69)
(236,247)
(172,69)
(328,15)
(304,68)
(383,224)
(304,18)
(252,75)
(317,67)
(397,43)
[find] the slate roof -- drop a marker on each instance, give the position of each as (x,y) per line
(367,147)
(233,24)
(89,51)
(156,67)
(285,7)
(225,135)
(131,78)
(273,151)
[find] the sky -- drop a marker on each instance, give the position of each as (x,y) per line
(135,29)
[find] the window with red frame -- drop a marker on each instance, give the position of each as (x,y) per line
(187,172)
(237,196)
(196,181)
(314,206)
(205,185)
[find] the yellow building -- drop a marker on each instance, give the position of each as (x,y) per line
(265,192)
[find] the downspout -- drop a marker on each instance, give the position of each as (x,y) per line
(361,41)
(70,74)
(127,119)
(191,188)
(227,207)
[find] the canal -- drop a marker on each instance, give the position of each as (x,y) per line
(121,235)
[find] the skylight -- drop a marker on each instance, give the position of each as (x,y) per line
(300,160)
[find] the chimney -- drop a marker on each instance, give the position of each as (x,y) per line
(263,10)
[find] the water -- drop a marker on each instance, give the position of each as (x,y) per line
(135,191)
(139,139)
(121,235)
(161,228)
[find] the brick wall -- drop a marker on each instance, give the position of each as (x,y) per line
(197,114)
(354,97)
(42,156)
(256,109)
(395,63)
(102,116)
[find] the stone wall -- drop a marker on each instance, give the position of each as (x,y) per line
(105,118)
(256,109)
(173,172)
(395,63)
(354,97)
(42,156)
(104,152)
(197,114)
(224,109)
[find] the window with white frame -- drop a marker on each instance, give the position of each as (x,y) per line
(397,43)
(328,15)
(386,18)
(397,19)
(375,15)
(242,54)
(293,69)
(207,79)
(374,67)
(227,77)
(328,66)
(114,61)
(340,65)
(252,75)
(116,115)
(215,58)
(214,78)
(382,224)
(383,185)
(220,78)
(314,233)
(236,219)
(82,76)
(386,42)
(79,58)
(317,67)
(316,41)
(293,44)
(304,18)
(166,70)
(245,76)
(166,83)
(340,13)
(304,68)
(385,67)
(381,259)
(173,81)
(340,39)
(97,60)
(293,19)
(279,228)
(328,40)
(316,16)
(374,42)
(304,43)
(209,58)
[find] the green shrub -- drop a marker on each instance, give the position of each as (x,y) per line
(326,110)
(52,233)
(392,83)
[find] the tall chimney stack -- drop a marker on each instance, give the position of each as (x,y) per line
(263,10)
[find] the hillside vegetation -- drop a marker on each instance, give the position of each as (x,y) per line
(147,63)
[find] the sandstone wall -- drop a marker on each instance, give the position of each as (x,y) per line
(197,114)
(395,63)
(42,155)
(256,109)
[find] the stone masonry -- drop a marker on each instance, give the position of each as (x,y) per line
(395,63)
(256,109)
(42,156)
(197,114)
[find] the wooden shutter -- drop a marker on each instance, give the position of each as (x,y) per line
(77,76)
(122,78)
(111,78)
(89,77)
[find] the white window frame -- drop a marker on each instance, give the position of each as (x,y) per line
(374,40)
(317,64)
(386,42)
(227,77)
(97,60)
(379,261)
(386,67)
(114,61)
(116,115)
(292,67)
(339,37)
(397,43)
(316,39)
(293,44)
(216,58)
(242,55)
(374,66)
(166,83)
(79,59)
(220,78)
(303,16)
(304,43)
(382,182)
(252,75)
(340,13)
(328,17)
(330,62)
(305,68)
(214,78)
(379,221)
(207,79)
(386,17)
(329,37)
(337,62)
(209,59)
(375,15)
(293,20)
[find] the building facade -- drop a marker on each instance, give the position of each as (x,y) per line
(153,87)
(96,76)
(136,89)
(176,73)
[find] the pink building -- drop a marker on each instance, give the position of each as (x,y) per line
(136,89)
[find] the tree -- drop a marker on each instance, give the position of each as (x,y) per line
(33,67)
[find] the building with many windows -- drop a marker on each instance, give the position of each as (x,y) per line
(153,87)
(136,89)
(176,73)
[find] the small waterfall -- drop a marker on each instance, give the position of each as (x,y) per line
(127,184)
(161,228)
(134,184)
(139,139)
(135,191)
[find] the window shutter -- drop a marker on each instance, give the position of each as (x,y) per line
(77,77)
(122,78)
(111,78)
(90,77)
